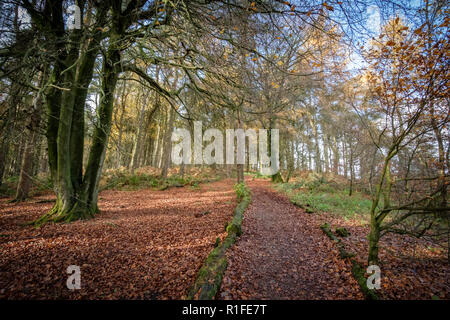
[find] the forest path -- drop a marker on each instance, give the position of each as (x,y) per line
(283,254)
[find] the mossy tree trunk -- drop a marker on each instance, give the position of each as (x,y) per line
(376,218)
(374,238)
(110,73)
(71,75)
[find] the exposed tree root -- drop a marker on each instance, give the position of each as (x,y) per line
(277,178)
(78,211)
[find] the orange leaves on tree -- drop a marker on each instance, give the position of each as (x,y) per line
(328,7)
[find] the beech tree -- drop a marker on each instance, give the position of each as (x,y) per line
(398,60)
(73,54)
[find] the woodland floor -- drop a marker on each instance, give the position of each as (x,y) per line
(283,254)
(150,244)
(144,245)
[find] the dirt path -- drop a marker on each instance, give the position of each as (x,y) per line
(283,254)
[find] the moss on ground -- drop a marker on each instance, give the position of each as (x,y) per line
(209,277)
(357,270)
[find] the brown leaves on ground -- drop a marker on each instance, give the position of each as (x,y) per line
(282,254)
(150,244)
(144,245)
(410,268)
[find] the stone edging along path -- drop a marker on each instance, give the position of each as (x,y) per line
(209,277)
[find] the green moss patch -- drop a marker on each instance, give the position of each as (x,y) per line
(209,277)
(357,270)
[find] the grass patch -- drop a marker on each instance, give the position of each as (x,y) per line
(320,196)
(258,174)
(241,190)
(130,182)
(40,183)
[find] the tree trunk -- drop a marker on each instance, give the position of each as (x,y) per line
(374,238)
(167,144)
(350,192)
(156,148)
(240,167)
(91,179)
(335,156)
(182,168)
(26,170)
(317,160)
(120,129)
(71,74)
(137,143)
(325,152)
(442,180)
(76,197)
(375,219)
(8,127)
(344,157)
